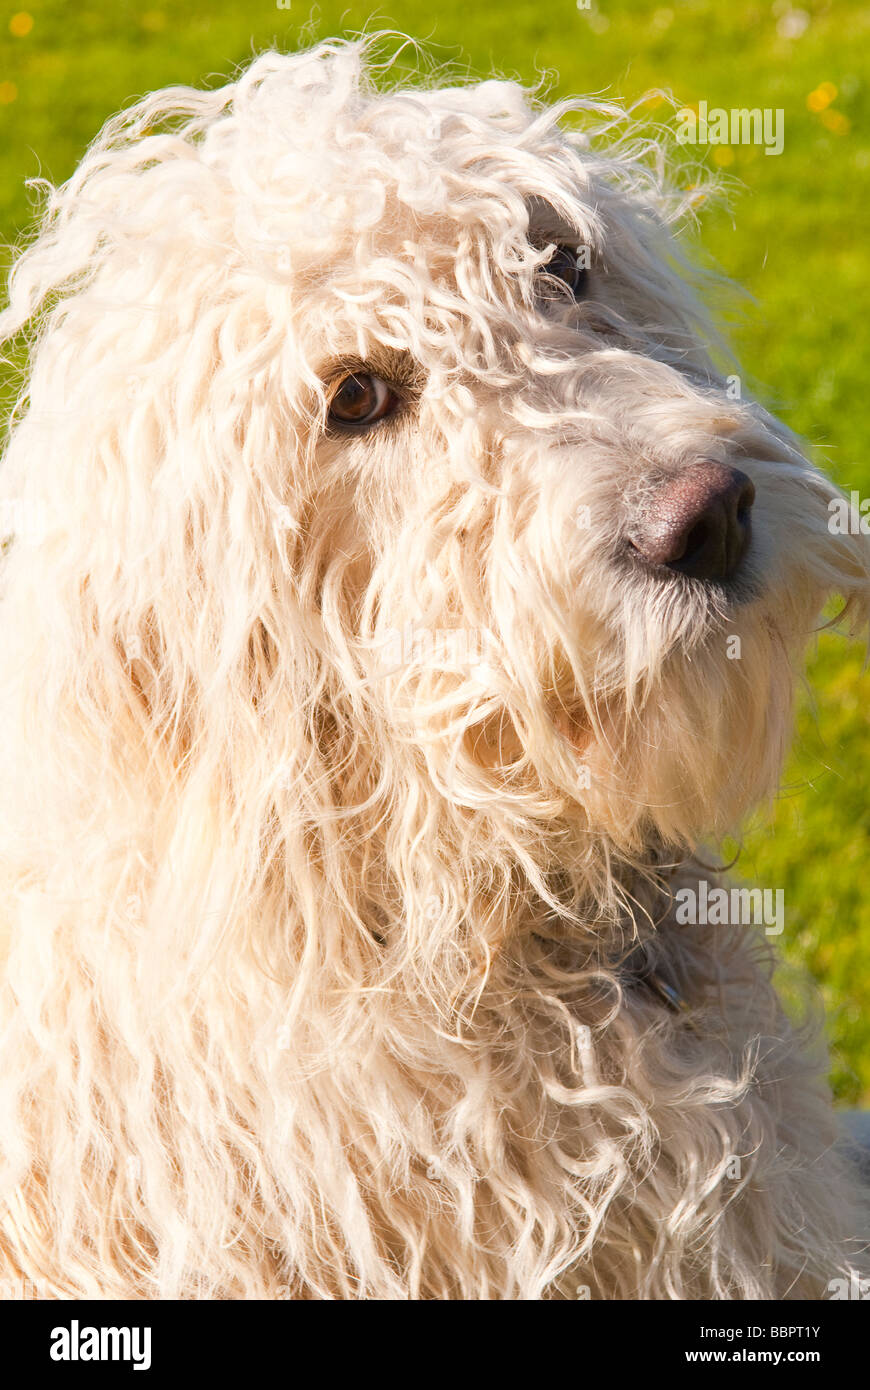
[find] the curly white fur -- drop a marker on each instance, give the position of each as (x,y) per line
(314,975)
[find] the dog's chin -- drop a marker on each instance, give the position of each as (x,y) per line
(724,597)
(682,733)
(698,737)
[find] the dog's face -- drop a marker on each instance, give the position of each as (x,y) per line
(400,410)
(577,564)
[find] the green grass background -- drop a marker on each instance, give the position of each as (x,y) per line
(796,235)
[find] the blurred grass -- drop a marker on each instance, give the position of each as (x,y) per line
(796,236)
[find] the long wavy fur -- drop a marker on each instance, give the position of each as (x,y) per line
(316,934)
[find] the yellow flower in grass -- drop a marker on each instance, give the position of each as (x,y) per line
(836,122)
(819,99)
(21,24)
(723,155)
(8,93)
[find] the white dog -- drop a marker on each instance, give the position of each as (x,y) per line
(397,600)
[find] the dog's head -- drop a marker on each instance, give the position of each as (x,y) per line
(391,496)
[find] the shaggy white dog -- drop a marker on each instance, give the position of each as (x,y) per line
(369,679)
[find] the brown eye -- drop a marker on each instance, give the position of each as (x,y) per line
(362,399)
(564,265)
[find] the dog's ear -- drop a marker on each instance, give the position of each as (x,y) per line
(153,445)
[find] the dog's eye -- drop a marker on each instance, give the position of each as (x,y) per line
(362,399)
(564,265)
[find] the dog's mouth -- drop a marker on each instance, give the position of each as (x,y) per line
(721,596)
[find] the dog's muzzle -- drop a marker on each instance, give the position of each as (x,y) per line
(697,523)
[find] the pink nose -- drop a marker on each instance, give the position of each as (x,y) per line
(697,523)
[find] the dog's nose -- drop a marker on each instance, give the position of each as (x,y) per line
(698,522)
